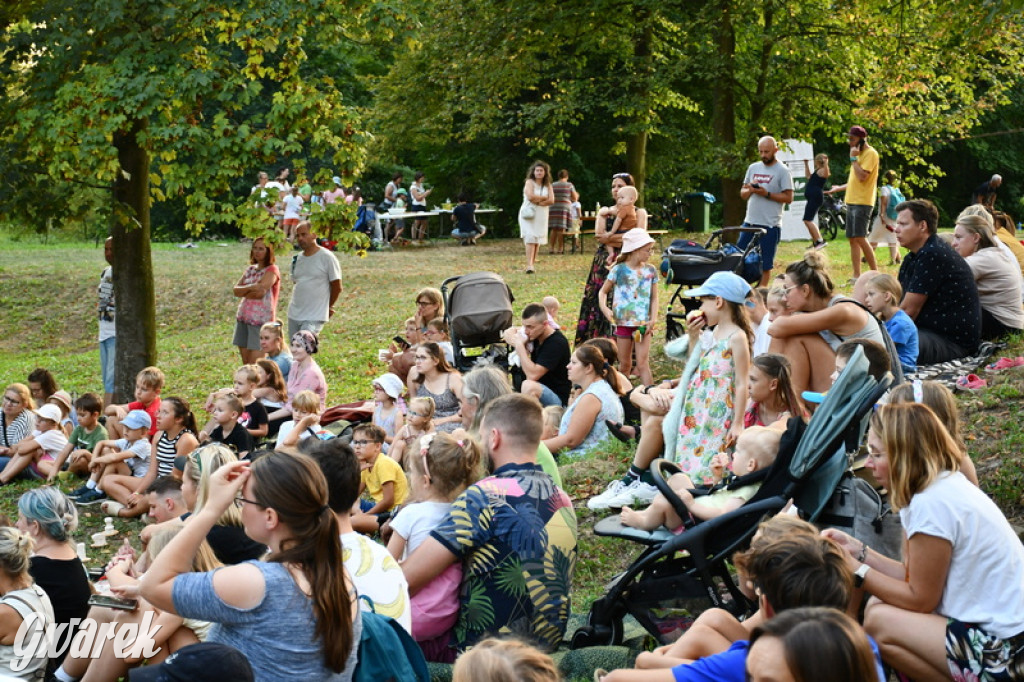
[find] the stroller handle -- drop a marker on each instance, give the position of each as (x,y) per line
(740,228)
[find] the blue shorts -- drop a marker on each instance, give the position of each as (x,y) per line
(549,398)
(769,243)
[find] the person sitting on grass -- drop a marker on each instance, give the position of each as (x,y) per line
(756,449)
(118,462)
(305,422)
(380,477)
(226,411)
(84,438)
(148,384)
(37,453)
(419,421)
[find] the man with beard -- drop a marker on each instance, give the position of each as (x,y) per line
(767,188)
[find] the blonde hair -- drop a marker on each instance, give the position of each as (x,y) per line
(978,210)
(427,405)
(151,377)
(275,328)
(15,550)
(232,402)
(887,284)
(764,444)
(812,270)
(941,401)
(553,416)
(306,401)
(204,560)
(250,373)
(505,660)
(819,160)
(918,446)
(199,466)
(452,465)
(24,395)
(435,297)
(977,225)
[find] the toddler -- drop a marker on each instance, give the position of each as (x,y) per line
(441,469)
(756,449)
(552,418)
(625,218)
(118,460)
(552,306)
(388,406)
(418,422)
(226,411)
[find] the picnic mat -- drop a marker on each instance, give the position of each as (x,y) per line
(948,372)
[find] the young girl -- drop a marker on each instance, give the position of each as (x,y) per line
(38,452)
(419,422)
(254,415)
(437,331)
(772,397)
(441,469)
(635,299)
(882,297)
(272,343)
(552,420)
(270,385)
(716,394)
(175,439)
(388,406)
(942,402)
(773,301)
(814,190)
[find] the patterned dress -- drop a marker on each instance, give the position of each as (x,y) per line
(559,217)
(592,323)
(707,410)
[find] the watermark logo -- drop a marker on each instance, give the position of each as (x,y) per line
(82,639)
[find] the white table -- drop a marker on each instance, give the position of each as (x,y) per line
(386,215)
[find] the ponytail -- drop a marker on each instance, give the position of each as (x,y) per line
(812,270)
(452,465)
(738,314)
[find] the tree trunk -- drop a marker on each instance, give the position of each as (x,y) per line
(636,139)
(636,161)
(724,119)
(133,263)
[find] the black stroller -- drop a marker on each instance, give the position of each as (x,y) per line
(676,571)
(477,308)
(687,264)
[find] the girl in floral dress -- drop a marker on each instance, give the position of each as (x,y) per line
(716,395)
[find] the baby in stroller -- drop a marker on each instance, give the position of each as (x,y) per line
(756,449)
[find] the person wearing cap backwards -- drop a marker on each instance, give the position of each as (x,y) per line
(37,453)
(861,186)
(337,192)
(767,188)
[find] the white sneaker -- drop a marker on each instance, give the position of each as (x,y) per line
(613,491)
(643,493)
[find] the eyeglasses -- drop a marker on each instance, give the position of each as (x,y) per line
(363,442)
(786,290)
(875,454)
(239,501)
(11,401)
(430,331)
(424,303)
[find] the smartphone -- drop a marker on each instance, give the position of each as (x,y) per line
(754,185)
(402,343)
(109,602)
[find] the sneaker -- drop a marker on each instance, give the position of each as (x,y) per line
(818,246)
(613,490)
(90,497)
(79,491)
(620,495)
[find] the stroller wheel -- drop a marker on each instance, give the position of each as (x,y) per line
(598,635)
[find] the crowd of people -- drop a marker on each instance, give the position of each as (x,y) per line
(443,506)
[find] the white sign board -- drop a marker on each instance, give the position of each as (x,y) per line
(793,153)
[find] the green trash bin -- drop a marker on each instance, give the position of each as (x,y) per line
(700,211)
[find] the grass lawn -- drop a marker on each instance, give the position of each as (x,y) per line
(48,295)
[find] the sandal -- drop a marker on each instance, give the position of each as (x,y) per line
(971,382)
(1005,363)
(616,430)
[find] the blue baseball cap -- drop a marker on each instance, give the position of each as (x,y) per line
(137,419)
(728,285)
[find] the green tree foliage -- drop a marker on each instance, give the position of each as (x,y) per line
(149,99)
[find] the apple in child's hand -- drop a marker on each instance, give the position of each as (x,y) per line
(693,315)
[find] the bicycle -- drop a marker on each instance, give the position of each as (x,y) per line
(831,217)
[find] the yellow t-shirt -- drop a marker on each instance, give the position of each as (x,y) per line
(385,470)
(863,192)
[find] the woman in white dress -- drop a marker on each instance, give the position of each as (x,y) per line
(533,215)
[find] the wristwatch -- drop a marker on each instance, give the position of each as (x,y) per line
(860,574)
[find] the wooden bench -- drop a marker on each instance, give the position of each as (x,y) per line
(657,234)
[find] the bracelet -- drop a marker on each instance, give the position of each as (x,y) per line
(863,552)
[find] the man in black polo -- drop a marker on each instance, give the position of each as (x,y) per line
(545,366)
(939,292)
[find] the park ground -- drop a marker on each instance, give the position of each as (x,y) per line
(48,299)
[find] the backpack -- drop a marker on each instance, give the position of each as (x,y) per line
(858,509)
(895,199)
(387,653)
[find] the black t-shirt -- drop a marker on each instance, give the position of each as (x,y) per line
(952,310)
(554,355)
(238,440)
(981,193)
(232,546)
(465,216)
(253,416)
(67,585)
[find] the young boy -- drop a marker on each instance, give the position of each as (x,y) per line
(305,422)
(84,438)
(38,452)
(123,458)
(381,477)
(226,411)
(148,384)
(756,448)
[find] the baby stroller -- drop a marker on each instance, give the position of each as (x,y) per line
(477,308)
(674,571)
(687,264)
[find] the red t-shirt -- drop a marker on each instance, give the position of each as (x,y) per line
(150,410)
